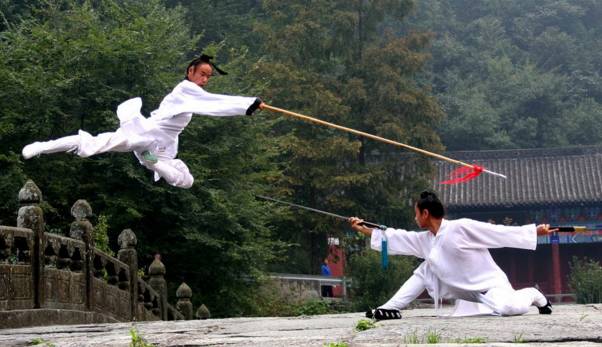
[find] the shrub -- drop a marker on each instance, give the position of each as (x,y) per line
(270,300)
(312,307)
(373,286)
(586,280)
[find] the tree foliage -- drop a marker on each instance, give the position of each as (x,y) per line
(515,74)
(338,61)
(67,68)
(505,73)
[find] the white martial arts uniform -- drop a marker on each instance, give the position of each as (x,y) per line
(157,134)
(458,266)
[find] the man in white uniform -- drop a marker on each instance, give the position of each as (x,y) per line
(457,263)
(154,140)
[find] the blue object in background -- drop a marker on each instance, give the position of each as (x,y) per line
(325,270)
(384,257)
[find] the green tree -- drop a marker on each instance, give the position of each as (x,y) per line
(13,11)
(339,61)
(227,22)
(510,74)
(67,68)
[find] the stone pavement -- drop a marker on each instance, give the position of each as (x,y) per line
(569,325)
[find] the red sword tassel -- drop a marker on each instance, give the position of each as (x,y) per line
(464,174)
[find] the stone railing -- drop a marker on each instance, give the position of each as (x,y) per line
(305,286)
(16,271)
(47,278)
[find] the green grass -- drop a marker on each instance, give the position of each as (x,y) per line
(40,341)
(364,324)
(411,337)
(337,344)
(137,340)
(432,336)
(519,338)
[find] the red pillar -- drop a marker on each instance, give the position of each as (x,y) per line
(556,278)
(336,262)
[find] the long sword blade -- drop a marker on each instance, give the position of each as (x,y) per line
(334,215)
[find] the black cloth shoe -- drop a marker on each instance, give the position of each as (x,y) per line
(547,309)
(383,314)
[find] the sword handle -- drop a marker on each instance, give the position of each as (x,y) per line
(373,225)
(569,229)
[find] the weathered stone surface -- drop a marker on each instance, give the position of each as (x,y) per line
(128,254)
(184,293)
(37,317)
(81,210)
(156,270)
(574,325)
(57,274)
(203,312)
(30,193)
(127,239)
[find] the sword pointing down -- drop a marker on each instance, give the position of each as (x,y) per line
(384,247)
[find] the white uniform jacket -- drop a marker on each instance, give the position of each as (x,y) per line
(160,132)
(457,260)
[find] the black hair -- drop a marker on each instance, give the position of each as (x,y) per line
(429,201)
(204,59)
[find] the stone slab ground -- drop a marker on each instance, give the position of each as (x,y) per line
(569,325)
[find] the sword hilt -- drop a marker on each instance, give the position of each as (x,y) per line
(569,229)
(374,225)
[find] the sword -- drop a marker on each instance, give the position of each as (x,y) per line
(383,246)
(334,215)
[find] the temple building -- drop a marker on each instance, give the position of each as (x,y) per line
(559,186)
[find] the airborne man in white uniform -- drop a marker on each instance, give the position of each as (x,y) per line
(154,140)
(457,263)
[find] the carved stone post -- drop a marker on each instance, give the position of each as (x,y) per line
(127,253)
(184,293)
(156,270)
(82,229)
(31,216)
(203,312)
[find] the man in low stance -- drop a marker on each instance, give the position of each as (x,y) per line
(457,263)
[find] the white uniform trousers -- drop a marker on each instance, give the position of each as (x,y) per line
(174,171)
(501,301)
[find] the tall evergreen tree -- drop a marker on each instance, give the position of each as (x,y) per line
(338,60)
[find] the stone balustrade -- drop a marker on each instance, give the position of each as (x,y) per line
(16,273)
(46,275)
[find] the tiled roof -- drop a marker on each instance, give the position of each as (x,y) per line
(555,176)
